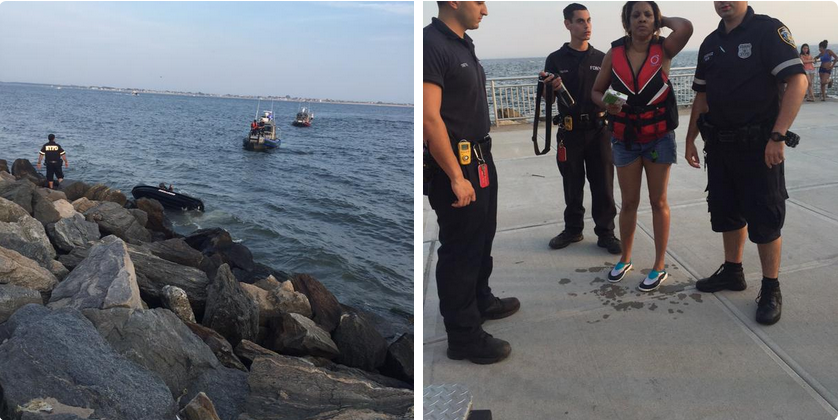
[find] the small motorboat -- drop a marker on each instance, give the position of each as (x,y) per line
(304,117)
(265,136)
(168,198)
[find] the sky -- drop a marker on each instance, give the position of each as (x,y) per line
(535,29)
(361,51)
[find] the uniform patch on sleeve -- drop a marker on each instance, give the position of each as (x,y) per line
(785,35)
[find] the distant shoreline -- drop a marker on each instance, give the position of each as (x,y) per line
(212,95)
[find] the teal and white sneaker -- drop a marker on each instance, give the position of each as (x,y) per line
(619,271)
(653,281)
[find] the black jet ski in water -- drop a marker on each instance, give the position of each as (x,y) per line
(168,198)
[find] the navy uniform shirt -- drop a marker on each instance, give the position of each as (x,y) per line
(578,70)
(740,71)
(52,151)
(449,61)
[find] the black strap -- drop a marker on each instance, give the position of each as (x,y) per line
(547,93)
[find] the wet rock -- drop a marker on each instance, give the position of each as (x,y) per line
(218,241)
(177,251)
(59,354)
(105,279)
(13,298)
(157,219)
(21,232)
(64,208)
(299,390)
(99,192)
(297,335)
(399,361)
(115,220)
(23,169)
(219,345)
(200,408)
(72,232)
(175,300)
(324,306)
(18,270)
(141,216)
(82,204)
(74,189)
(229,310)
(19,192)
(360,345)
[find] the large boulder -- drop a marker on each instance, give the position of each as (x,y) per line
(6,177)
(42,208)
(219,346)
(21,232)
(299,390)
(279,300)
(176,300)
(157,219)
(4,166)
(360,345)
(18,270)
(324,305)
(113,219)
(105,279)
(20,192)
(54,195)
(74,189)
(399,361)
(218,241)
(99,192)
(177,251)
(13,298)
(158,341)
(23,169)
(260,272)
(230,311)
(82,204)
(64,208)
(297,335)
(72,232)
(200,408)
(60,355)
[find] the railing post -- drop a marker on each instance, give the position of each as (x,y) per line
(495,103)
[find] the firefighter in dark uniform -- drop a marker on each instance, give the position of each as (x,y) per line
(744,126)
(53,153)
(586,141)
(463,185)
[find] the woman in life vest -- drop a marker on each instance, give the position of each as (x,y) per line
(637,65)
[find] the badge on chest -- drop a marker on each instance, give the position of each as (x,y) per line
(744,50)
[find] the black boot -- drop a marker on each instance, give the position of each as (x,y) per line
(725,278)
(611,243)
(483,350)
(769,305)
(564,239)
(500,308)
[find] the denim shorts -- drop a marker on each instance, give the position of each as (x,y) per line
(662,150)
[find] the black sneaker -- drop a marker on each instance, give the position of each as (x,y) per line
(644,286)
(564,239)
(723,279)
(484,350)
(769,305)
(611,243)
(501,308)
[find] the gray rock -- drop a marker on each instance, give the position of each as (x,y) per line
(177,251)
(6,177)
(59,354)
(13,298)
(141,216)
(23,169)
(175,300)
(277,301)
(74,189)
(157,219)
(200,408)
(21,232)
(42,208)
(105,279)
(324,305)
(99,192)
(54,195)
(64,208)
(72,232)
(299,390)
(230,311)
(16,269)
(4,166)
(58,270)
(115,220)
(19,192)
(83,204)
(297,335)
(247,351)
(219,345)
(353,414)
(270,283)
(399,361)
(291,301)
(360,345)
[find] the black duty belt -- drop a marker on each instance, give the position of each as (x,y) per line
(547,93)
(571,122)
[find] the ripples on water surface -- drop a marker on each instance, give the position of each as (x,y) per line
(336,201)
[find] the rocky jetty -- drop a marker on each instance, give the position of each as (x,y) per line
(106,312)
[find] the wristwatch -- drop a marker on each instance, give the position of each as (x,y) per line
(775,136)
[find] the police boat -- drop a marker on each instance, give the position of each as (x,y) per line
(168,198)
(304,117)
(265,136)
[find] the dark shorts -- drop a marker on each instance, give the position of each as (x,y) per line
(662,150)
(825,71)
(54,168)
(742,190)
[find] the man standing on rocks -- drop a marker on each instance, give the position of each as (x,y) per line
(54,154)
(464,184)
(585,141)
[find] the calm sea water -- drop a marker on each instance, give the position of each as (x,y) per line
(336,201)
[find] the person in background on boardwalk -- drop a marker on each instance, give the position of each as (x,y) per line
(54,154)
(809,67)
(744,126)
(827,58)
(637,65)
(463,192)
(586,140)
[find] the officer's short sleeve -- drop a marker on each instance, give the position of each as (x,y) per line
(433,62)
(549,65)
(779,51)
(44,149)
(60,151)
(699,80)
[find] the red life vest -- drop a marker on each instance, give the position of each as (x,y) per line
(650,111)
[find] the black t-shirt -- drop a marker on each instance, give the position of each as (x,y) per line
(740,71)
(449,61)
(578,70)
(52,151)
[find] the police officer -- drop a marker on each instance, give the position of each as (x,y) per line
(463,187)
(586,142)
(744,126)
(54,154)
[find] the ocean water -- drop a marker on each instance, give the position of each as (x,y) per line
(336,201)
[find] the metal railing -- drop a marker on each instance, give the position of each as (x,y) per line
(512,99)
